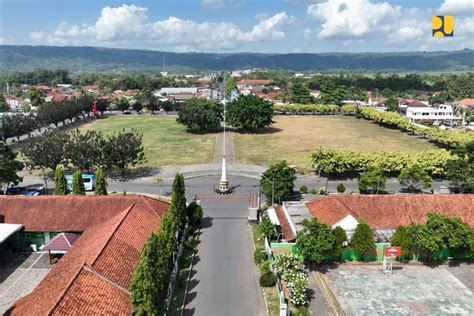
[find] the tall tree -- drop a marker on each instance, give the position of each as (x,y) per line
(402,238)
(250,112)
(414,178)
(340,237)
(60,182)
(229,84)
(315,241)
(46,150)
(100,183)
(300,93)
(84,149)
(362,240)
(9,165)
(178,199)
(78,183)
(119,150)
(144,283)
(200,115)
(283,178)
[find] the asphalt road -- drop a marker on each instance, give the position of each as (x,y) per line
(225,281)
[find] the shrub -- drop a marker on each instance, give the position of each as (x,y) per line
(322,191)
(313,191)
(341,188)
(286,261)
(265,266)
(297,283)
(268,279)
(300,311)
(259,255)
(303,189)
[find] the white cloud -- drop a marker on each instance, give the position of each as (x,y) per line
(405,33)
(308,33)
(344,19)
(456,6)
(129,24)
(36,36)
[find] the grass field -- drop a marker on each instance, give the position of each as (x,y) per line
(166,142)
(292,138)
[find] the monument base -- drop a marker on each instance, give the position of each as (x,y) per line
(223,187)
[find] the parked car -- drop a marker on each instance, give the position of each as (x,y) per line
(34,191)
(14,190)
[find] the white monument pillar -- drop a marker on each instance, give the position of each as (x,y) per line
(223,183)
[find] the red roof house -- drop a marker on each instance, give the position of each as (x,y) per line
(61,242)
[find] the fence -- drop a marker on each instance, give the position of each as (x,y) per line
(174,273)
(281,294)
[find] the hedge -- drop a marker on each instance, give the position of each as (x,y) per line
(341,161)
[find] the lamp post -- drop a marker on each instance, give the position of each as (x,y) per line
(273,187)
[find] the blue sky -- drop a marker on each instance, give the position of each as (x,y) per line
(237,25)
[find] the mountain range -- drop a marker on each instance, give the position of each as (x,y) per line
(73,58)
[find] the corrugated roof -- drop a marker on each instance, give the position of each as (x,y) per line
(391,211)
(284,224)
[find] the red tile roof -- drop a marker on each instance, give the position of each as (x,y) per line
(63,241)
(69,213)
(391,211)
(110,249)
(285,226)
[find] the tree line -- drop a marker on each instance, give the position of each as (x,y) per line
(85,151)
(317,242)
(152,274)
(50,113)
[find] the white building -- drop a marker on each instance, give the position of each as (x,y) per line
(435,113)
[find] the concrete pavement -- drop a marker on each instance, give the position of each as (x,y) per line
(225,281)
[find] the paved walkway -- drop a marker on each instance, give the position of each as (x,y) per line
(225,281)
(229,148)
(20,275)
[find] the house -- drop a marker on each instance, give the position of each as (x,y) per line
(252,84)
(435,113)
(383,213)
(93,276)
(91,88)
(315,93)
(55,97)
(466,103)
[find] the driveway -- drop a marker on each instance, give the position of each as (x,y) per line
(224,278)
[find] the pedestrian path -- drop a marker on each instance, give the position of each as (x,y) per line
(229,148)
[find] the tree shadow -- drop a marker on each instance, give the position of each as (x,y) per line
(189,311)
(190,297)
(323,267)
(261,131)
(192,284)
(206,222)
(130,174)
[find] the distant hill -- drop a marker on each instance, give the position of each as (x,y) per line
(25,58)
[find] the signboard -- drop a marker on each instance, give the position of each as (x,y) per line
(393,251)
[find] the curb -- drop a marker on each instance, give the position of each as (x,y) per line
(261,288)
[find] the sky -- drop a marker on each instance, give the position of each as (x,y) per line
(230,26)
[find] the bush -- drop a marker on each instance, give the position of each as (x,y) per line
(265,266)
(313,191)
(259,255)
(341,188)
(322,191)
(268,279)
(303,189)
(300,311)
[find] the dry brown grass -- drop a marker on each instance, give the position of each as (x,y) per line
(292,138)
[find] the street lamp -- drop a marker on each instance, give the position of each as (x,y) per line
(273,187)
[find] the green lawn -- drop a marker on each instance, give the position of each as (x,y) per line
(292,138)
(166,142)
